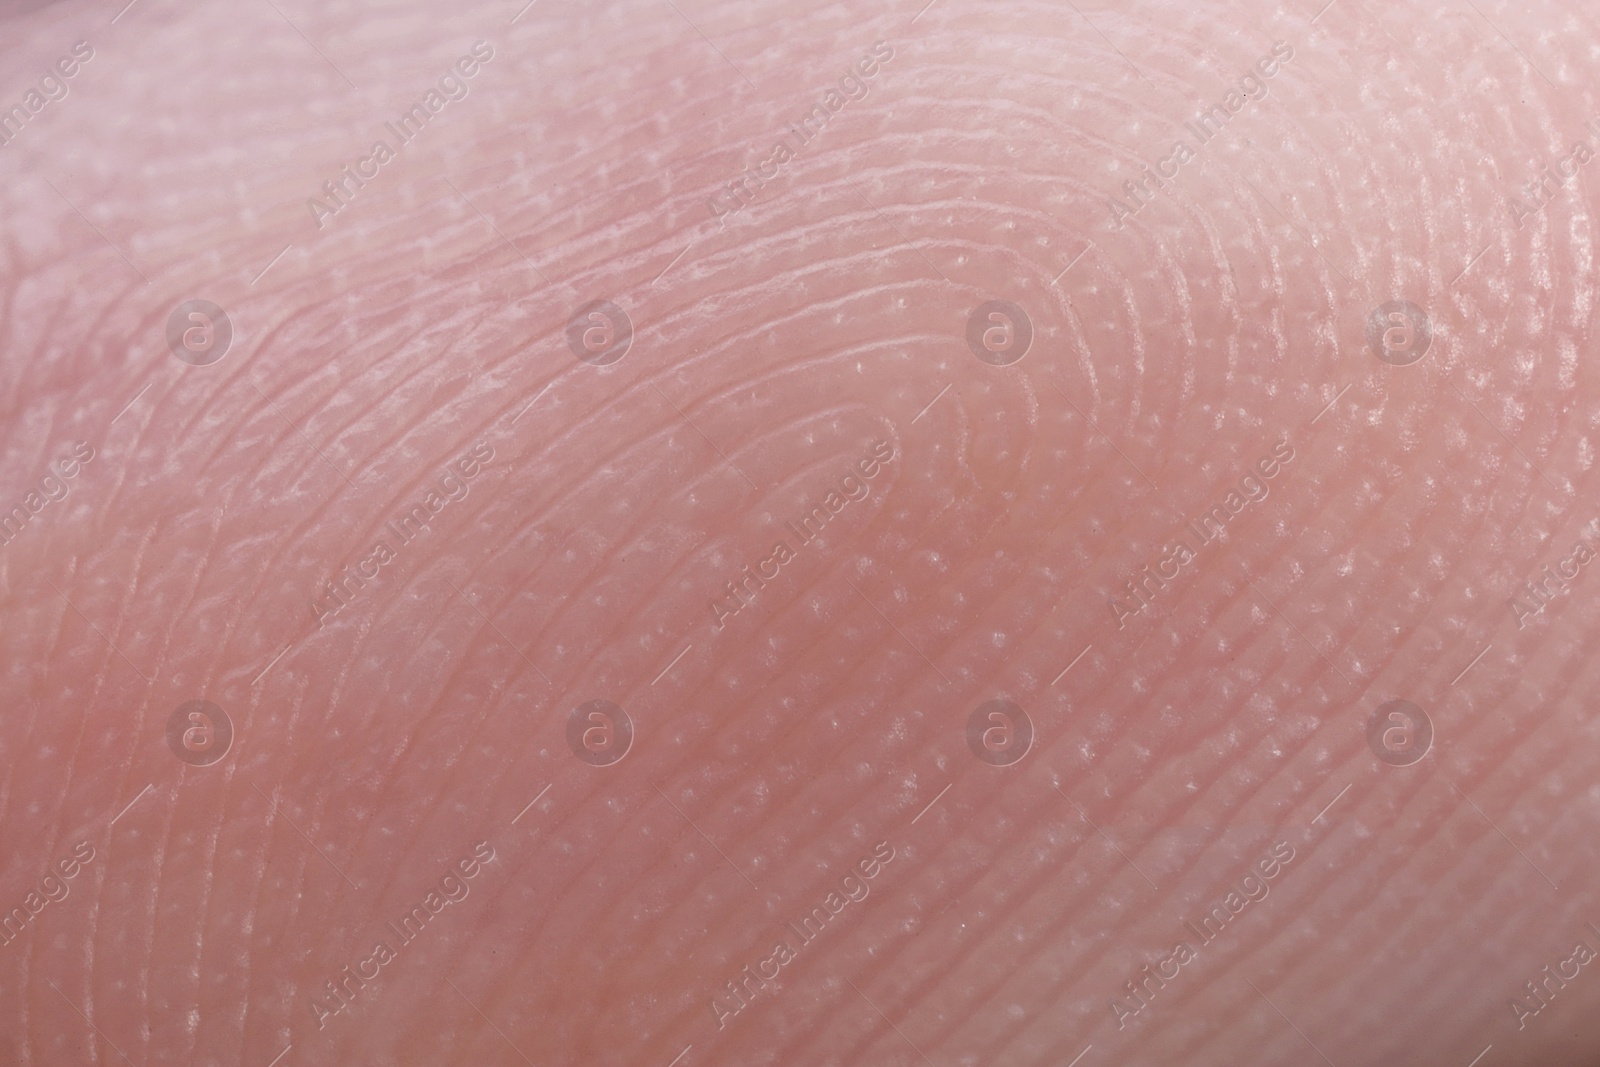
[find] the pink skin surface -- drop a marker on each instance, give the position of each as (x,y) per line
(1196,502)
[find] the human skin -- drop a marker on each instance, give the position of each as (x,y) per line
(1183,741)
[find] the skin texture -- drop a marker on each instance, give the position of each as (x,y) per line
(800,335)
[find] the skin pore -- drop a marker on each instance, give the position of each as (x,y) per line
(1081,557)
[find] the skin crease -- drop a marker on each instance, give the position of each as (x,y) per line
(809,750)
